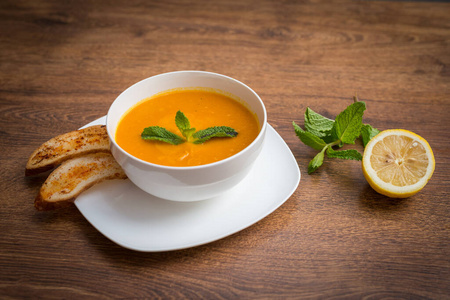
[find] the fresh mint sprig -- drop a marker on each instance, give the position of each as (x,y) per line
(189,134)
(322,133)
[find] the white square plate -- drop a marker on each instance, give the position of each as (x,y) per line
(136,220)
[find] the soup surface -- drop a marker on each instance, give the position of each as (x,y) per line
(204,109)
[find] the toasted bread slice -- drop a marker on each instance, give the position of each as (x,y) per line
(74,176)
(66,146)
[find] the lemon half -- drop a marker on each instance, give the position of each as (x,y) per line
(398,163)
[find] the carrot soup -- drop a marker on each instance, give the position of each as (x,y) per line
(204,108)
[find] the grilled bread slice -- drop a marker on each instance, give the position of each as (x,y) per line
(74,176)
(76,143)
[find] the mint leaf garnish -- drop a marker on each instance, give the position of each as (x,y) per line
(367,133)
(347,126)
(202,136)
(326,135)
(183,125)
(161,134)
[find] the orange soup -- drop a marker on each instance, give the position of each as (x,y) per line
(204,109)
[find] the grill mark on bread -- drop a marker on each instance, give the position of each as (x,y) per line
(93,139)
(75,176)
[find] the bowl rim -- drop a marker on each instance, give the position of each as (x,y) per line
(260,135)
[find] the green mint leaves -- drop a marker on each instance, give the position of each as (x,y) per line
(322,134)
(184,126)
(347,126)
(318,125)
(216,131)
(189,134)
(367,133)
(161,134)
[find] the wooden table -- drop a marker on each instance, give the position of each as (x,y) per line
(63,63)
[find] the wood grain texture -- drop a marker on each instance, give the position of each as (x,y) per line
(62,63)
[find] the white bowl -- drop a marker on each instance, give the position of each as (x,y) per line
(186,183)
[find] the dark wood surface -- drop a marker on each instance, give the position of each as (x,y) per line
(62,63)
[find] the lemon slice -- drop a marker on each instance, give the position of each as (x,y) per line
(397,163)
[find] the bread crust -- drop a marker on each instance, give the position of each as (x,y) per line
(74,176)
(93,139)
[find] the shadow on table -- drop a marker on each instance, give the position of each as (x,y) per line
(370,199)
